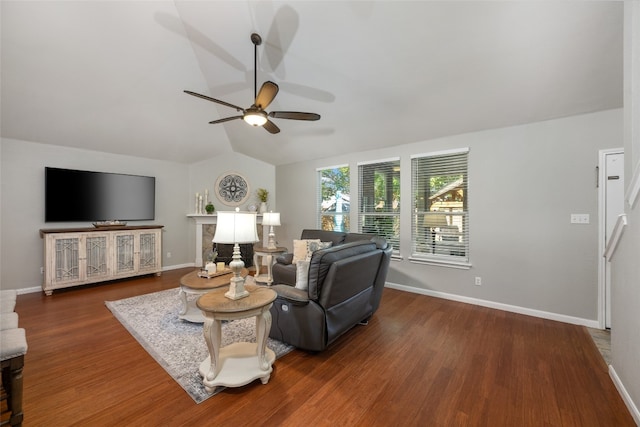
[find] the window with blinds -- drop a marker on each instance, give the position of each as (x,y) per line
(440,212)
(379,200)
(334,199)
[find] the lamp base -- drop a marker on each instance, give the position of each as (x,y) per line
(236,284)
(235,296)
(271,242)
(236,290)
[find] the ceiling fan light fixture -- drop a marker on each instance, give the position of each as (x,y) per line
(256,114)
(255,118)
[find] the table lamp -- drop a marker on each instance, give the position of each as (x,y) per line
(271,219)
(234,228)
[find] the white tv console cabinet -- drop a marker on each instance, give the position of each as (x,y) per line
(78,256)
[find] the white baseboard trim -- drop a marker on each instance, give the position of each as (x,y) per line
(484,303)
(177,266)
(499,306)
(32,290)
(635,413)
(35,289)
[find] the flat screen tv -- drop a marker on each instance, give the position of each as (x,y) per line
(77,195)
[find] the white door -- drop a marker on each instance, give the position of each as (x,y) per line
(613,178)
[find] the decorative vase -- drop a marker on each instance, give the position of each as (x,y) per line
(263,207)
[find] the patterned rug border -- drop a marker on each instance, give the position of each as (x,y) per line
(176,345)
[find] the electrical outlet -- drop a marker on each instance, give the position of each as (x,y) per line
(41,270)
(478,281)
(168,254)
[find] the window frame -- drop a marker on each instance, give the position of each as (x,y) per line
(395,214)
(422,212)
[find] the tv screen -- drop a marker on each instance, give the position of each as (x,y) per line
(76,195)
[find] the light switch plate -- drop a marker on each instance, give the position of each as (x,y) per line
(579,218)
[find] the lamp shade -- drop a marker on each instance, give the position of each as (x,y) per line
(271,218)
(435,219)
(236,227)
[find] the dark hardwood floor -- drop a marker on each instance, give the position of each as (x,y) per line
(421,361)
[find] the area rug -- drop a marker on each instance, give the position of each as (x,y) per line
(177,345)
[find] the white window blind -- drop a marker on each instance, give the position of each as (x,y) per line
(334,200)
(440,222)
(379,200)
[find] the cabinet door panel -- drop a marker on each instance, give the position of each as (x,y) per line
(96,256)
(125,253)
(148,251)
(67,260)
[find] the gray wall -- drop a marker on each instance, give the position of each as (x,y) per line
(22,196)
(23,166)
(625,313)
(524,182)
(203,175)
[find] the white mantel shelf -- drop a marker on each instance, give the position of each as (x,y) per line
(202,219)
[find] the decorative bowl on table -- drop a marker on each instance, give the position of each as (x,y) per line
(98,224)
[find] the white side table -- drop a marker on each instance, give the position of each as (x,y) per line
(269,254)
(239,363)
(192,284)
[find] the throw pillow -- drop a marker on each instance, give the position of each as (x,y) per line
(301,248)
(302,275)
(314,246)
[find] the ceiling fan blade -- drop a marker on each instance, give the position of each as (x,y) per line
(271,127)
(213,122)
(208,98)
(294,115)
(268,91)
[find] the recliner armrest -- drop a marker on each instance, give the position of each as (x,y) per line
(292,294)
(284,258)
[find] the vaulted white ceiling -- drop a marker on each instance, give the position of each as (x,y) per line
(109,75)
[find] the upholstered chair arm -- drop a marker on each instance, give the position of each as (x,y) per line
(294,295)
(284,258)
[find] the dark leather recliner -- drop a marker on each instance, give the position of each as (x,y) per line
(345,288)
(284,272)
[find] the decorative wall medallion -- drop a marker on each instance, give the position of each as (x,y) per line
(232,188)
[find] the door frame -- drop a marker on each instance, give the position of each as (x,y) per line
(602,226)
